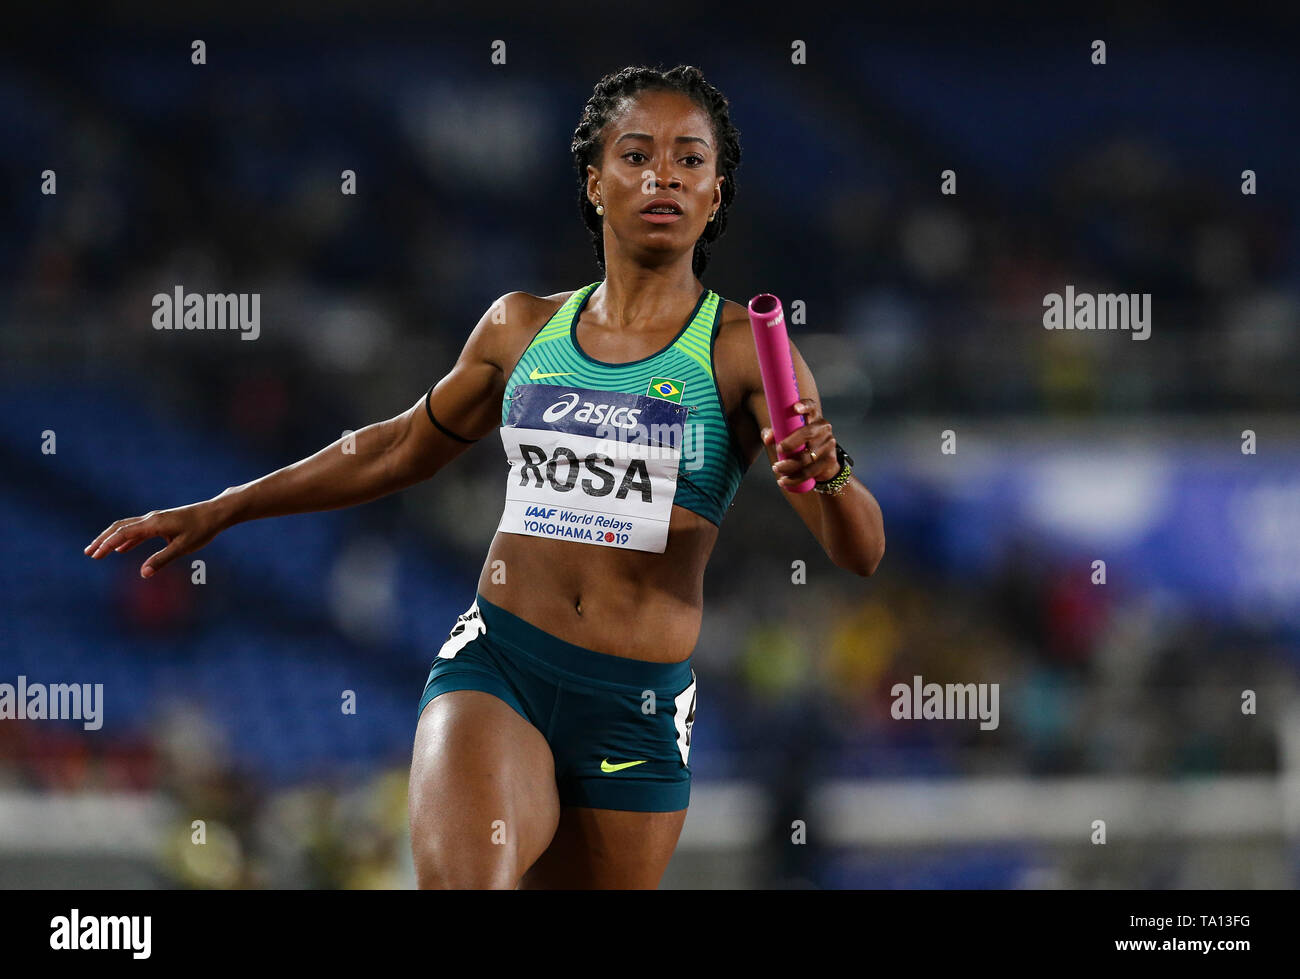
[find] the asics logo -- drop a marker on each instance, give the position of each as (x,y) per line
(560,408)
(619,416)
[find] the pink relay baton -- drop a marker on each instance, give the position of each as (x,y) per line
(774,362)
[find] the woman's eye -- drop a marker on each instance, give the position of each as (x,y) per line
(698,160)
(636,153)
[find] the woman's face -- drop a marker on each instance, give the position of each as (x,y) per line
(658,148)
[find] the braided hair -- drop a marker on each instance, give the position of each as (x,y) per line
(609,92)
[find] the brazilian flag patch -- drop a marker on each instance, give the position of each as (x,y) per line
(666,388)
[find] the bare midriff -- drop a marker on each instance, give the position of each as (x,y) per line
(623,602)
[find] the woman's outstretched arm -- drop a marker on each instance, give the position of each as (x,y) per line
(380,459)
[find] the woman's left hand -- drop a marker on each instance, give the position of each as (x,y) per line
(818,459)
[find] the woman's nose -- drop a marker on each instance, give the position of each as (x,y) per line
(672,179)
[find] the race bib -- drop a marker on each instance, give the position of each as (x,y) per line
(599,467)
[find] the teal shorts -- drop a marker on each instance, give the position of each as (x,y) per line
(619,728)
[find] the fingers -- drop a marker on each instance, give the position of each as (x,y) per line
(812,423)
(812,415)
(122,535)
(809,450)
(161,559)
(113,536)
(792,472)
(816,455)
(93,546)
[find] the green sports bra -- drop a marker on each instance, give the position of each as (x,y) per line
(601,452)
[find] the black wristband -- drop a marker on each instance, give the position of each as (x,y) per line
(832,486)
(442,428)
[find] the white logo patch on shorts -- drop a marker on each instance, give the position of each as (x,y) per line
(469,624)
(684,718)
(598,467)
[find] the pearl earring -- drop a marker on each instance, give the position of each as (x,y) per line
(600,208)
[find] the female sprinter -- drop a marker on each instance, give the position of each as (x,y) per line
(552,743)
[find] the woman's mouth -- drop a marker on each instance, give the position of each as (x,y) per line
(662,210)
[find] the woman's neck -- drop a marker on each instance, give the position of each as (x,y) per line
(634,295)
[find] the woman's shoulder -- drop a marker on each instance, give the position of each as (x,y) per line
(510,324)
(523,309)
(734,342)
(732,313)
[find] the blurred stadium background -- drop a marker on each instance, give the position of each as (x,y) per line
(1119,702)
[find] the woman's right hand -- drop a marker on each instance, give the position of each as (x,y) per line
(185,529)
